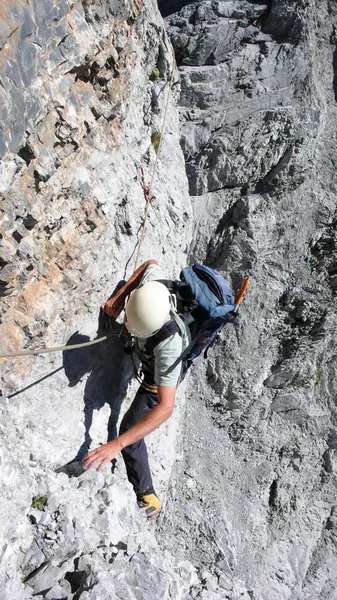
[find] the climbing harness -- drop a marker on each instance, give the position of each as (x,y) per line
(129,350)
(148,387)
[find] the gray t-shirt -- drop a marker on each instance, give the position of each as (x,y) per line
(166,352)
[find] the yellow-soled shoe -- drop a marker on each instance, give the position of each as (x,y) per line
(150,504)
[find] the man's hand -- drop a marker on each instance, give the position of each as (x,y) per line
(102,455)
(114,306)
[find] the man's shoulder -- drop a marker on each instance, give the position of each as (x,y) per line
(173,344)
(153,272)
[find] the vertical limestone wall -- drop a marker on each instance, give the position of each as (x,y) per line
(246,468)
(79,113)
(254,499)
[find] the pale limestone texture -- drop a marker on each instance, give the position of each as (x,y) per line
(246,467)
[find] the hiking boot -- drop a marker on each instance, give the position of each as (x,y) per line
(150,503)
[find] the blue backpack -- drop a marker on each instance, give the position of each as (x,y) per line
(205,304)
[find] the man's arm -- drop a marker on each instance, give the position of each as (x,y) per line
(116,304)
(104,454)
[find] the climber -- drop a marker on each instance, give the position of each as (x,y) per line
(148,308)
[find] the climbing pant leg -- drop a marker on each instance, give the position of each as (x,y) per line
(135,456)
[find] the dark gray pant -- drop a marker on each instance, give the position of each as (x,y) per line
(135,455)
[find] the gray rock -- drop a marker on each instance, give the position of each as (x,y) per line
(58,592)
(3,400)
(246,466)
(34,556)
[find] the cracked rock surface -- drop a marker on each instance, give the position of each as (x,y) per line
(255,510)
(247,466)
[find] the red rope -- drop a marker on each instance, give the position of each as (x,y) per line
(146,188)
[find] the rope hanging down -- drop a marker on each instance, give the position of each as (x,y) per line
(148,197)
(148,194)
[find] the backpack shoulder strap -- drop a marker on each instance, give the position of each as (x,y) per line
(183,354)
(228,318)
(171,284)
(170,328)
(179,288)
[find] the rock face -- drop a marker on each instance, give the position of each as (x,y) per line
(256,488)
(247,464)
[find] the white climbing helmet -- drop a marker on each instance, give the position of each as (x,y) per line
(148,309)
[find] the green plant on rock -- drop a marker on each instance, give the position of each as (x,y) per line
(155,73)
(318,378)
(39,502)
(155,140)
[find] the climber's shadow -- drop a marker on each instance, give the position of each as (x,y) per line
(106,384)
